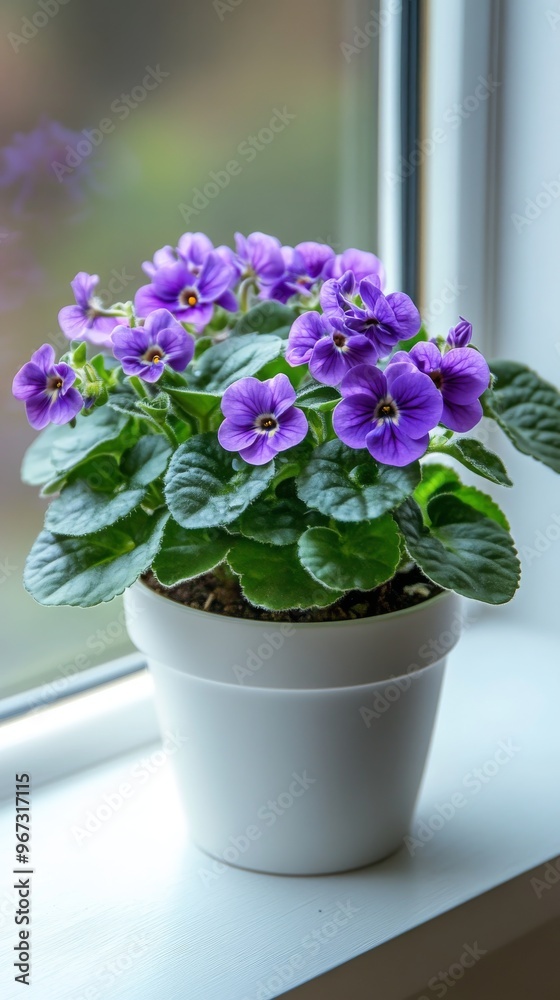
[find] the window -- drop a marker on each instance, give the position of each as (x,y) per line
(219,116)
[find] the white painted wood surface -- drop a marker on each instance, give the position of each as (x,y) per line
(134,912)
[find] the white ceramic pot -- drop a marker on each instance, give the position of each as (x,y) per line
(305,743)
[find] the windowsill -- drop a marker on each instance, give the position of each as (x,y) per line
(134,904)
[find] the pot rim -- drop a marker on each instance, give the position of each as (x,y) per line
(262,622)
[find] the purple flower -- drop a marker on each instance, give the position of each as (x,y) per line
(389,413)
(330,351)
(145,350)
(360,262)
(305,265)
(193,249)
(261,418)
(338,295)
(461,376)
(87,320)
(260,256)
(47,389)
(188,295)
(460,335)
(384,319)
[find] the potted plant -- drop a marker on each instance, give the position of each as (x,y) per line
(261,453)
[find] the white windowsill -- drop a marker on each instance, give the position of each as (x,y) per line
(134,912)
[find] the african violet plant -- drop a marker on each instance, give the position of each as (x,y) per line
(266,411)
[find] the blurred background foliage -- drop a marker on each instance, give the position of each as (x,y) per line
(230,66)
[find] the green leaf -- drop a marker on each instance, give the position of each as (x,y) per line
(419,338)
(528,409)
(352,556)
(207,486)
(185,554)
(84,572)
(60,448)
(276,521)
(463,550)
(436,478)
(266,317)
(156,408)
(195,404)
(280,365)
(80,510)
(272,577)
(317,397)
(235,358)
(103,494)
(146,460)
(350,485)
(475,457)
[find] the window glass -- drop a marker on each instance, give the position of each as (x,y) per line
(124,125)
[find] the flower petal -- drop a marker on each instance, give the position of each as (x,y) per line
(292,429)
(38,411)
(84,286)
(365,379)
(461,417)
(304,334)
(353,419)
(408,320)
(234,437)
(388,443)
(418,401)
(260,452)
(65,406)
(465,375)
(213,279)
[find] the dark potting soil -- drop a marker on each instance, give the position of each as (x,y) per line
(211,592)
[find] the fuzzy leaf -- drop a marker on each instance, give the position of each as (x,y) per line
(147,460)
(266,317)
(206,486)
(475,457)
(438,479)
(272,577)
(59,448)
(276,521)
(350,485)
(84,572)
(352,556)
(235,358)
(185,554)
(528,409)
(463,550)
(194,404)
